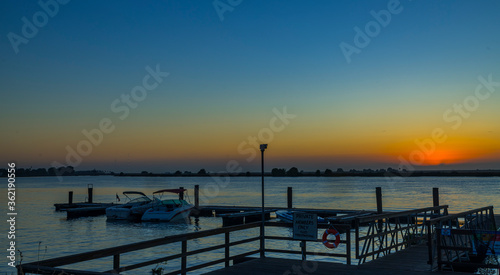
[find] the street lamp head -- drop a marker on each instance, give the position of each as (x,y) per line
(263,147)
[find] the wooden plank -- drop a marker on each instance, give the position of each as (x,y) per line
(288,266)
(413,258)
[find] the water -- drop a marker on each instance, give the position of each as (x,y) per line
(43,233)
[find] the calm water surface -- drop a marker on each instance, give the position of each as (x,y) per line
(43,233)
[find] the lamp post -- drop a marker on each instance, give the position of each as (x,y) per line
(263,147)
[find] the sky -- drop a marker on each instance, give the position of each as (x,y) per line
(161,86)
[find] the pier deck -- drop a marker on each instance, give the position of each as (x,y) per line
(269,266)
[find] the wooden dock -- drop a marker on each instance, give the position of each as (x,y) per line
(271,266)
(405,242)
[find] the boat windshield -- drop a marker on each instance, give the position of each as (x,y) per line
(174,202)
(140,199)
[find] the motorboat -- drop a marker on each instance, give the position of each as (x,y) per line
(287,216)
(133,209)
(168,209)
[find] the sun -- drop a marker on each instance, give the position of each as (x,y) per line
(440,157)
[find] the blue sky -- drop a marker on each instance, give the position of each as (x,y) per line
(227,76)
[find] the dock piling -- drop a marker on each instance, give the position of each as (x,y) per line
(197,196)
(90,192)
(378,192)
(435,198)
(289,197)
(70,197)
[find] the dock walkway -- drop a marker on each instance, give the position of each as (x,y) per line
(268,266)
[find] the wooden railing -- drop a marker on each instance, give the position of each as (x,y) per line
(472,247)
(343,228)
(44,266)
(476,219)
(51,266)
(387,233)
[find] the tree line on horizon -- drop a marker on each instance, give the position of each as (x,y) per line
(275,172)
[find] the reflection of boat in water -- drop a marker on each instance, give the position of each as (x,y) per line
(169,209)
(287,216)
(137,204)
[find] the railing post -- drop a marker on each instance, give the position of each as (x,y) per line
(226,248)
(116,262)
(357,238)
(429,243)
(304,250)
(184,257)
(181,194)
(70,197)
(348,245)
(438,246)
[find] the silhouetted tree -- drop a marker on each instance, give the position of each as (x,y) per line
(178,173)
(293,172)
(39,172)
(328,172)
(248,174)
(52,171)
(277,172)
(65,171)
(144,172)
(318,173)
(202,172)
(340,170)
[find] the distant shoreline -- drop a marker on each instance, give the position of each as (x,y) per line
(327,173)
(420,173)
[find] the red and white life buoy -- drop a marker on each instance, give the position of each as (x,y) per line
(331,244)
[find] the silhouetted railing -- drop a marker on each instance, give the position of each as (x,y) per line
(455,248)
(50,266)
(387,233)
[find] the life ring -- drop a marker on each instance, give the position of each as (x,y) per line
(331,244)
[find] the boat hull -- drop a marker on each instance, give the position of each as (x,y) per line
(161,215)
(127,213)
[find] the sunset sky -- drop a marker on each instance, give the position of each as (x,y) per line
(183,85)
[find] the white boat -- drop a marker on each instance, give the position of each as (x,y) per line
(168,210)
(135,207)
(287,216)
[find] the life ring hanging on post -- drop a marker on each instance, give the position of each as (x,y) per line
(331,244)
